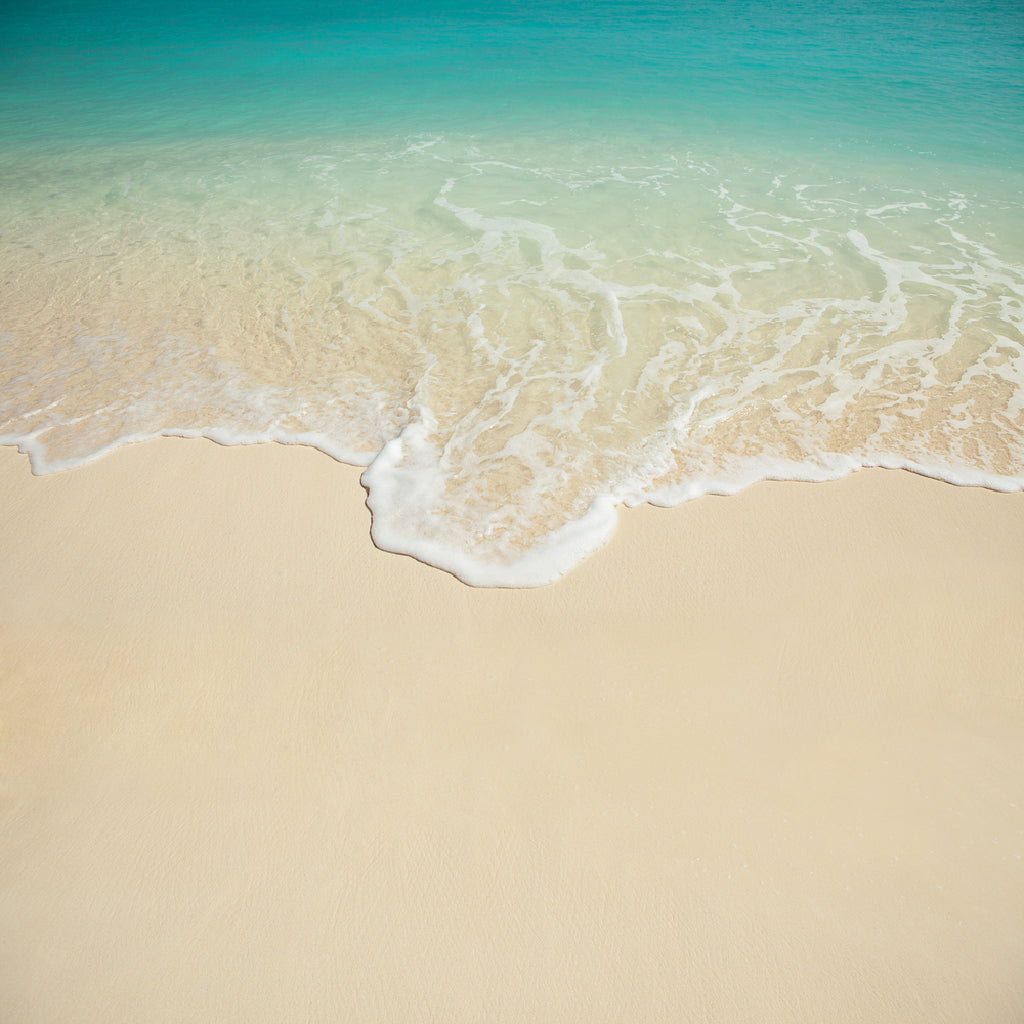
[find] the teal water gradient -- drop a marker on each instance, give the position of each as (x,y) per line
(933,76)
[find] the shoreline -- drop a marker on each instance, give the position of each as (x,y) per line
(758,758)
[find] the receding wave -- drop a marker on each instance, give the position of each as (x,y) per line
(515,339)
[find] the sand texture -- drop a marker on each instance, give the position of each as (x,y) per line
(761,759)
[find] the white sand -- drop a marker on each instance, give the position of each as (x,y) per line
(761,759)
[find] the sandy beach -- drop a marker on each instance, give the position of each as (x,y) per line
(761,759)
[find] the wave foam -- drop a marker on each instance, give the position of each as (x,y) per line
(514,341)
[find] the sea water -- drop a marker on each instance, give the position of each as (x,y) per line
(527,261)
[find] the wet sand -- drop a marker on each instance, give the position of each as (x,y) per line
(760,759)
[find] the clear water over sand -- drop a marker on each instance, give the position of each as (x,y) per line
(524,266)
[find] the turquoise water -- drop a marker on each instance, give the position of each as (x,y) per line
(525,263)
(925,76)
(935,77)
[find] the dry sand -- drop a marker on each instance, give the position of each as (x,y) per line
(759,760)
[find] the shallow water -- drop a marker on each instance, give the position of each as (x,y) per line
(524,266)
